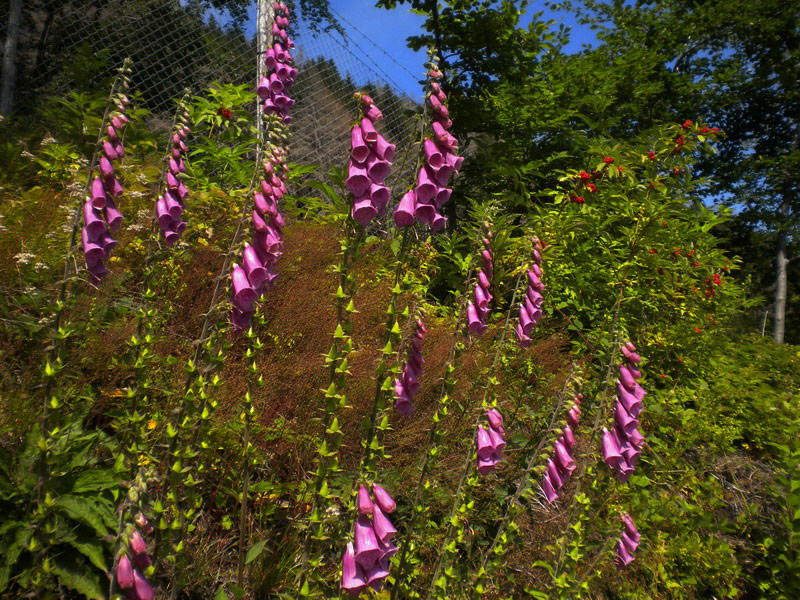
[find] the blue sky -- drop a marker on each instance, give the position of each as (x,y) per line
(388,29)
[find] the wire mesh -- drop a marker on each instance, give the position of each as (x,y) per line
(72,44)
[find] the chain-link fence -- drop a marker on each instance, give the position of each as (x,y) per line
(68,44)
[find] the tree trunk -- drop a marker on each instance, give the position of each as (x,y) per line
(10,57)
(781,261)
(780,285)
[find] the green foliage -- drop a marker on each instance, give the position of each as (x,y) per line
(57,515)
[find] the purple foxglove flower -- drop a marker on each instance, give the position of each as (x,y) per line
(115,122)
(269,59)
(280,54)
(170,236)
(611,450)
(535,282)
(92,252)
(113,187)
(634,358)
(163,215)
(624,557)
(548,489)
(256,273)
(563,459)
(173,205)
(481,298)
(108,243)
(484,443)
(98,271)
(454,161)
(373,114)
(433,157)
(174,167)
(425,212)
(441,135)
(525,322)
(569,436)
(404,213)
(142,560)
(630,527)
(359,150)
(483,280)
(358,181)
(635,373)
(534,296)
(442,196)
(118,148)
(111,132)
(368,131)
(623,420)
(486,255)
(106,168)
(352,575)
(172,181)
(176,153)
(109,150)
(537,270)
(438,222)
(631,403)
(572,418)
(523,339)
(263,88)
(442,175)
(554,475)
(487,465)
(124,573)
(265,204)
(113,216)
(447,123)
(497,441)
(495,418)
(630,346)
(241,318)
(137,543)
(364,502)
(384,149)
(383,499)
(639,391)
(626,377)
(364,210)
(243,292)
(183,193)
(630,453)
(384,530)
(377,574)
(628,542)
(474,324)
(377,169)
(142,589)
(635,438)
(366,543)
(98,194)
(426,187)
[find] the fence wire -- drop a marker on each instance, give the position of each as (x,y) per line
(68,44)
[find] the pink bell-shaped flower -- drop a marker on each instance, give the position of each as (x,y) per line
(353,580)
(365,506)
(366,543)
(404,213)
(383,499)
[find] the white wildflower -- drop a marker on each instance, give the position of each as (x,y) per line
(24,258)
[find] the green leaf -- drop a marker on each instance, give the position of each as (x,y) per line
(79,576)
(254,551)
(92,548)
(86,511)
(95,479)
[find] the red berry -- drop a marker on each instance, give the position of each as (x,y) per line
(686,124)
(584,176)
(705,129)
(651,155)
(578,199)
(653,251)
(660,271)
(608,160)
(591,187)
(698,329)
